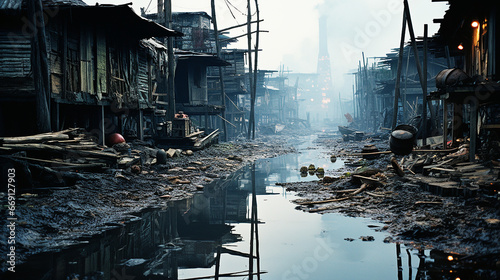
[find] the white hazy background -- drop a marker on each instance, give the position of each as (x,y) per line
(354,26)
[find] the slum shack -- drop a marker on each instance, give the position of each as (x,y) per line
(81,66)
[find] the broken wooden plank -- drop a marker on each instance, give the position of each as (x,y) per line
(367,180)
(35,147)
(470,168)
(61,150)
(428,202)
(372,153)
(128,161)
(436,151)
(357,191)
(207,139)
(374,194)
(397,167)
(195,134)
(33,138)
(442,169)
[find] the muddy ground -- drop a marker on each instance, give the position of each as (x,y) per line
(462,225)
(58,217)
(55,218)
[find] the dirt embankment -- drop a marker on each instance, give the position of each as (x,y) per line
(56,217)
(464,225)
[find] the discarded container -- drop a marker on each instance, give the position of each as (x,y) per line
(115,138)
(450,77)
(358,135)
(161,156)
(402,139)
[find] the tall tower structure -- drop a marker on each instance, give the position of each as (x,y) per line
(325,85)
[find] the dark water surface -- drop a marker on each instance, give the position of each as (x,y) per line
(211,234)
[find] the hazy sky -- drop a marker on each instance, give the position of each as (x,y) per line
(372,26)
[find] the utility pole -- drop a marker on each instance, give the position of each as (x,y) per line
(170,58)
(221,73)
(251,122)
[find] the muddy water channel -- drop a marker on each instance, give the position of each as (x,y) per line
(215,232)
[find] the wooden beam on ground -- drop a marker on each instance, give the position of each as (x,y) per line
(34,138)
(362,188)
(372,153)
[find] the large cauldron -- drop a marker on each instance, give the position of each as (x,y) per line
(402,139)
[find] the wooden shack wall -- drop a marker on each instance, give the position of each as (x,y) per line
(197,82)
(15,70)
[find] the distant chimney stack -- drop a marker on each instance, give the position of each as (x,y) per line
(324,65)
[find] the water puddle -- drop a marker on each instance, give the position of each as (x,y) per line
(216,232)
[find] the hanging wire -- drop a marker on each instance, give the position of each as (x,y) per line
(146,10)
(231,11)
(242,13)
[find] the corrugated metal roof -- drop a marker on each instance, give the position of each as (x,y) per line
(19,4)
(202,58)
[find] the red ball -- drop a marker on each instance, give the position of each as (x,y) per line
(115,138)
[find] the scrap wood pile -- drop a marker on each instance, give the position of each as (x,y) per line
(450,173)
(58,158)
(441,172)
(445,172)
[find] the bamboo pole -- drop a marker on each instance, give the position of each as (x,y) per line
(170,55)
(417,62)
(221,73)
(257,36)
(40,66)
(398,75)
(424,92)
(251,121)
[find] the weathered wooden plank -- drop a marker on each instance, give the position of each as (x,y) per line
(33,138)
(55,163)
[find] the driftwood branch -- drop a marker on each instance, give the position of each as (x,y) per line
(362,188)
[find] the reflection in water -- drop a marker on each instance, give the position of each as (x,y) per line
(207,235)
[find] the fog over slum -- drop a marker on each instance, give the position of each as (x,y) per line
(157,140)
(369,26)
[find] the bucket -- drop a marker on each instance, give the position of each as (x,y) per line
(402,139)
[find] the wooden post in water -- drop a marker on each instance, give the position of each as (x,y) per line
(251,120)
(254,89)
